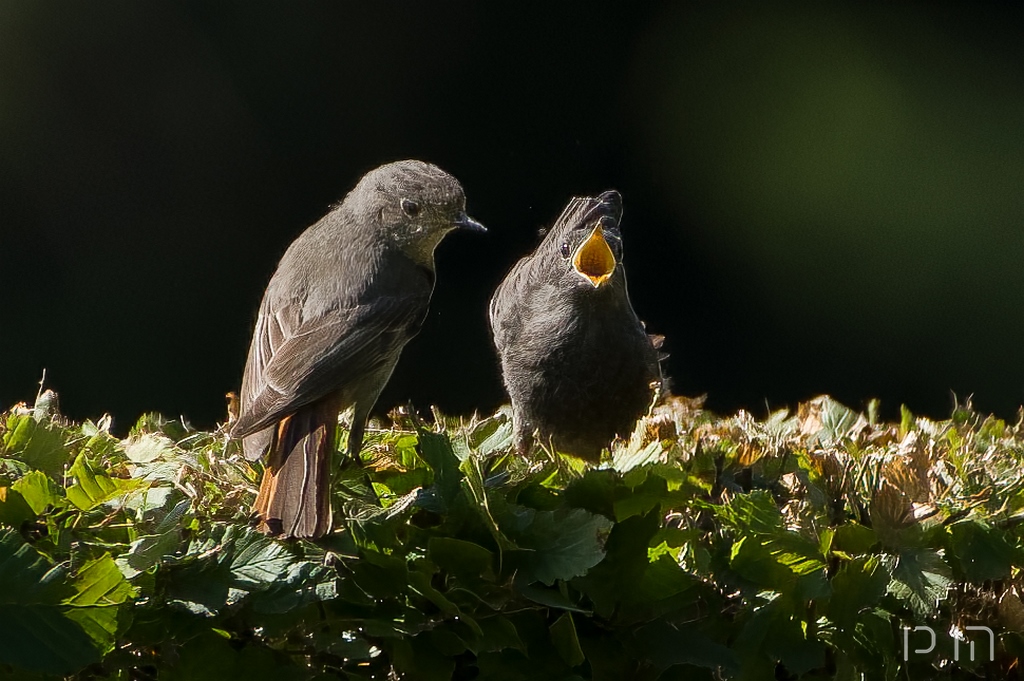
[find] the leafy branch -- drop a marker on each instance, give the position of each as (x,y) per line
(799,546)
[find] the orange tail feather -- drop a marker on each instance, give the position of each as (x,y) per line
(295,494)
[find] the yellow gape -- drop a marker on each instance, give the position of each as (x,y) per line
(594,260)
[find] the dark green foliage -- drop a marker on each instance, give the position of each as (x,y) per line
(798,547)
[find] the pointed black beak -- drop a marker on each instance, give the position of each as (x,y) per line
(463,221)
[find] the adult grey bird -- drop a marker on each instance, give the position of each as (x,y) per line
(577,363)
(347,296)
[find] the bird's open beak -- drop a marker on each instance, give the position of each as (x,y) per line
(463,221)
(594,259)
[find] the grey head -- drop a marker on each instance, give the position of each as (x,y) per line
(584,246)
(414,203)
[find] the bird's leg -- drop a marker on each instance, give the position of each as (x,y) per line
(354,447)
(524,443)
(522,433)
(355,436)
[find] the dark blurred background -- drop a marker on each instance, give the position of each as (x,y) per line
(820,198)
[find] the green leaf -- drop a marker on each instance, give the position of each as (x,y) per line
(906,420)
(853,538)
(755,513)
(99,443)
(419,582)
(641,499)
(14,510)
(626,458)
(233,563)
(558,544)
(610,661)
(663,589)
(981,550)
(446,642)
(595,491)
(873,654)
(26,575)
(769,554)
(461,558)
(492,434)
(150,503)
(101,590)
(481,503)
(94,486)
(550,597)
(775,633)
(663,645)
(34,633)
(498,633)
(419,658)
(920,578)
(566,641)
(859,585)
(38,443)
(615,579)
(256,560)
(38,491)
(747,556)
(380,575)
(147,551)
(11,470)
(437,451)
(210,657)
(100,583)
(173,519)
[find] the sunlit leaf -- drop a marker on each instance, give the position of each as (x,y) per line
(94,486)
(100,593)
(37,443)
(147,447)
(38,491)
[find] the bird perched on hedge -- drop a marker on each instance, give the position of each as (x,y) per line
(578,365)
(347,296)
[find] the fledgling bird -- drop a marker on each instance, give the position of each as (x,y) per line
(347,296)
(577,363)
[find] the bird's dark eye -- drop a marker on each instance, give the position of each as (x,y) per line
(410,207)
(564,249)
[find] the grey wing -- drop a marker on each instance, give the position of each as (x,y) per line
(504,310)
(293,362)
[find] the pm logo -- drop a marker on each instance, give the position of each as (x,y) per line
(957,635)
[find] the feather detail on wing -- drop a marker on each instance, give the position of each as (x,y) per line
(503,311)
(295,361)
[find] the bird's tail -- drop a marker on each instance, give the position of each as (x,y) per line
(295,493)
